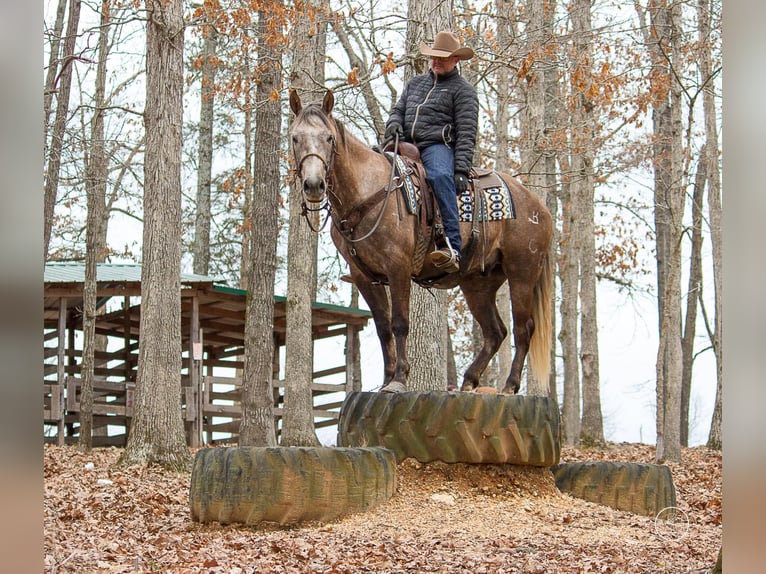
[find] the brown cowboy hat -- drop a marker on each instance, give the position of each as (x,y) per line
(446,45)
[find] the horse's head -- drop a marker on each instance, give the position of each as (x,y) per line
(314,136)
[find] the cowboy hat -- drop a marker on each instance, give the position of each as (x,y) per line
(446,45)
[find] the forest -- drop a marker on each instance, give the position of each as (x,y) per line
(166,141)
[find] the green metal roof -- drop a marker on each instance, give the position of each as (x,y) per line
(108,272)
(131,273)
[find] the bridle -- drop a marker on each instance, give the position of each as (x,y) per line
(323,204)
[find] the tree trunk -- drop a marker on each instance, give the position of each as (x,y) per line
(95,240)
(247,208)
(692,296)
(307,77)
(257,426)
(428,337)
(353,348)
(533,124)
(582,189)
(712,156)
(569,275)
(669,205)
(201,246)
(157,430)
(59,125)
(53,67)
(550,121)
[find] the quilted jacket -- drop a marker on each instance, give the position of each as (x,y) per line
(440,109)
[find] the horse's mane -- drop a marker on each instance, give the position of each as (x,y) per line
(314,113)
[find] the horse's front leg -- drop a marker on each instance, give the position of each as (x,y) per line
(399,289)
(377,299)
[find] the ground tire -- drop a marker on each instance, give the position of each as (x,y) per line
(634,487)
(454,426)
(288,484)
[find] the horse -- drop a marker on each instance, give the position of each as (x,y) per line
(383,245)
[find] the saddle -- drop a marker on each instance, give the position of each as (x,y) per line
(416,172)
(480,179)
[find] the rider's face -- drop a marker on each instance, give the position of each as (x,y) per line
(443,65)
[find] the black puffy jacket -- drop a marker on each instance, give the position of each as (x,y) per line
(440,109)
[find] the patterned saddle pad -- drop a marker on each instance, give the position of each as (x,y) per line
(497,204)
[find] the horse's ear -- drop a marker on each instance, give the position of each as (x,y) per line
(328,102)
(295,102)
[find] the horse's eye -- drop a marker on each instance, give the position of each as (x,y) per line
(329,139)
(295,139)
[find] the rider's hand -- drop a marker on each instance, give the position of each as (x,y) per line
(461,182)
(393,129)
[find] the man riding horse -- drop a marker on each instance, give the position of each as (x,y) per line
(439,112)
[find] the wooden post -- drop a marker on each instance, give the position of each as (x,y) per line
(60,370)
(195,362)
(128,367)
(275,387)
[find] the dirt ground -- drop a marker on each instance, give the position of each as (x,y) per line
(443,518)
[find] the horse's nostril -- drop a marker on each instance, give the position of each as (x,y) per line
(314,187)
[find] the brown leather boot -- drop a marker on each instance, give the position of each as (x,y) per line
(445,259)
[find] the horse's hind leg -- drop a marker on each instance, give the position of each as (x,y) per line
(484,309)
(523,328)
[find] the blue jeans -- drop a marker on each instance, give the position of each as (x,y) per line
(439,161)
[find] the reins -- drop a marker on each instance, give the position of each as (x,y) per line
(389,189)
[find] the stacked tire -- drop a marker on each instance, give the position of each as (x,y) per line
(454,426)
(377,430)
(631,486)
(480,428)
(288,484)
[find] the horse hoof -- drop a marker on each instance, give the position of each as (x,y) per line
(394,387)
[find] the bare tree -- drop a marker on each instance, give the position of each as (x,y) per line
(307,76)
(582,193)
(257,426)
(157,432)
(201,245)
(53,66)
(705,13)
(552,91)
(692,296)
(533,124)
(95,243)
(662,39)
(59,123)
(505,34)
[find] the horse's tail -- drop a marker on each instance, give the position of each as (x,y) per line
(540,345)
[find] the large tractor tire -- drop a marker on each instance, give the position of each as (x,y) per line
(454,426)
(288,484)
(631,486)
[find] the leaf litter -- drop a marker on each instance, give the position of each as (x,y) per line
(456,518)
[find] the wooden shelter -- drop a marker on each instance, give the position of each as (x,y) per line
(213,325)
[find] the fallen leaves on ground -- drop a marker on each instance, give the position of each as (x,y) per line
(483,519)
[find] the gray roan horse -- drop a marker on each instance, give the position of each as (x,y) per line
(384,244)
